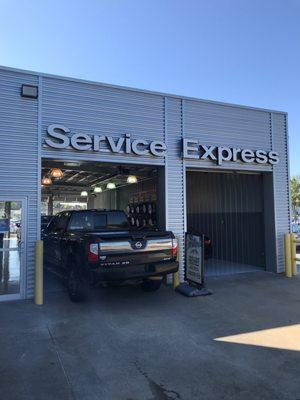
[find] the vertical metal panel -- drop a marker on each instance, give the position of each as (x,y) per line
(166,161)
(270,223)
(39,158)
(281,184)
(19,154)
(175,174)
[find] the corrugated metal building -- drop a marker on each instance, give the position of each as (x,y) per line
(245,209)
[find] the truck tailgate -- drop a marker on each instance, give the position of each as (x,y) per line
(135,251)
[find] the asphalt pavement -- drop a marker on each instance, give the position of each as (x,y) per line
(125,344)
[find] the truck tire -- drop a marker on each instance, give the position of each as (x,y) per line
(76,288)
(151,285)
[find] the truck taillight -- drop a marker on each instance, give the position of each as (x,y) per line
(93,252)
(174,247)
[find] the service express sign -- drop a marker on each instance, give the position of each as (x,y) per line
(194,149)
(194,256)
(61,137)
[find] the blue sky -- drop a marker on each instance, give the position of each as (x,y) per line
(238,51)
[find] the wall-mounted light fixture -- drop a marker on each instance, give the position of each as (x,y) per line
(97,189)
(132,179)
(29,91)
(111,185)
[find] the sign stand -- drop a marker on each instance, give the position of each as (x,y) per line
(194,267)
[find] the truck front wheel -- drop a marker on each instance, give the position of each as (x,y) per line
(151,285)
(76,288)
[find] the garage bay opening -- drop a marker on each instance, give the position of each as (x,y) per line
(68,185)
(229,209)
(102,222)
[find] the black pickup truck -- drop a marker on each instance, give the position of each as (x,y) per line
(91,246)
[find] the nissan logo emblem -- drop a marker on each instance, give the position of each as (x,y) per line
(138,245)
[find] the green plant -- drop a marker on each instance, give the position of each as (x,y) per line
(295,193)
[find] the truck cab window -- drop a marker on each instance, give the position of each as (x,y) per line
(86,220)
(58,223)
(53,224)
(117,220)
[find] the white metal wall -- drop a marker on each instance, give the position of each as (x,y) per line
(226,125)
(98,110)
(174,173)
(94,108)
(19,155)
(281,184)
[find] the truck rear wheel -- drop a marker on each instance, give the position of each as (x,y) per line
(76,288)
(151,285)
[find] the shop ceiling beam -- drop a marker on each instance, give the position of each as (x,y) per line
(98,169)
(66,184)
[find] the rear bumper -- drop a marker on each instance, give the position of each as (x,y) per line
(134,271)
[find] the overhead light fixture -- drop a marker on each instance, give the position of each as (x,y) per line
(72,164)
(111,185)
(97,189)
(56,173)
(84,193)
(46,181)
(132,179)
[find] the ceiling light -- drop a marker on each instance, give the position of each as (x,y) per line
(72,164)
(84,193)
(132,179)
(56,173)
(111,185)
(97,189)
(46,181)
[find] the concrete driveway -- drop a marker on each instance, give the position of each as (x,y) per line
(129,345)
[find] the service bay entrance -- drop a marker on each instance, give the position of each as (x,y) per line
(229,208)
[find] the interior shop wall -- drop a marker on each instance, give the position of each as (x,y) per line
(229,208)
(136,193)
(106,200)
(121,197)
(151,190)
